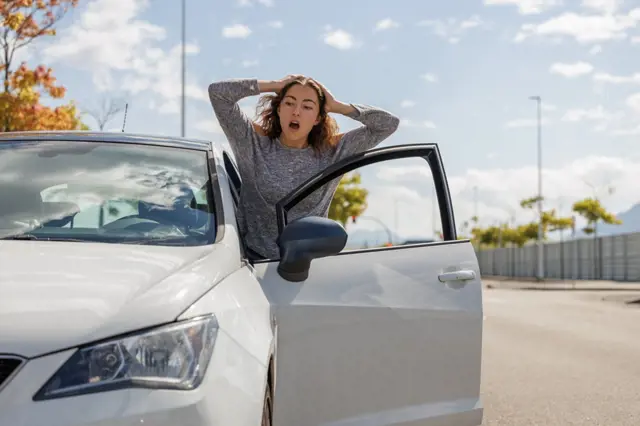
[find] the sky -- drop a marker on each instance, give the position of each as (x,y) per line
(457,73)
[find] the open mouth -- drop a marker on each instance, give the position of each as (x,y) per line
(294,125)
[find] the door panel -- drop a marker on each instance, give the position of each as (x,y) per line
(373,337)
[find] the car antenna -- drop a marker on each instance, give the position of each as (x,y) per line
(126,106)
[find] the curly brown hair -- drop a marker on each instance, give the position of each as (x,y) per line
(321,136)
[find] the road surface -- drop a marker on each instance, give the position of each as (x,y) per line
(560,358)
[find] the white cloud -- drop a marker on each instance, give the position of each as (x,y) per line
(524,122)
(595,49)
(107,33)
(571,70)
(386,24)
(633,102)
(398,174)
(122,54)
(603,118)
(526,7)
(603,6)
(579,114)
(500,190)
(275,24)
(248,3)
(339,39)
(429,77)
(236,31)
(423,123)
(453,29)
(393,206)
(630,131)
(603,77)
(407,103)
(583,28)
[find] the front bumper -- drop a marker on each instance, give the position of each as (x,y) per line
(231,395)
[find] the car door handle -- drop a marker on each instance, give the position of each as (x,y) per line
(465,275)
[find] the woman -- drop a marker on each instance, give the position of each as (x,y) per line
(295,139)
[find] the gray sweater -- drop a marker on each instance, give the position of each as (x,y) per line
(270,170)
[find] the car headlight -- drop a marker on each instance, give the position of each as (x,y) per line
(168,357)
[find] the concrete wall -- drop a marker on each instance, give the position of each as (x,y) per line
(605,258)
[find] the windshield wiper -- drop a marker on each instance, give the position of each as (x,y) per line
(31,237)
(23,237)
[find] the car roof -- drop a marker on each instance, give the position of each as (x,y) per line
(117,137)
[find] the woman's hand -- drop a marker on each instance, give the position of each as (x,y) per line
(288,79)
(332,104)
(269,86)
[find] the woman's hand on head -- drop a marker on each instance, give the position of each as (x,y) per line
(288,79)
(332,104)
(276,86)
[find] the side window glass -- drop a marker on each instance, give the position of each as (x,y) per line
(233,175)
(388,203)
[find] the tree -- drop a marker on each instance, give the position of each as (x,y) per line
(24,21)
(560,223)
(593,212)
(529,203)
(349,200)
(108,108)
(550,221)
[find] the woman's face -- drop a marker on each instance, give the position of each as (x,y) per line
(299,111)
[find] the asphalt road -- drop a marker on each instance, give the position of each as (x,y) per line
(560,358)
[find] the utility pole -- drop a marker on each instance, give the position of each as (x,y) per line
(540,274)
(184,54)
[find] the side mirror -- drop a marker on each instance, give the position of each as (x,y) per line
(306,239)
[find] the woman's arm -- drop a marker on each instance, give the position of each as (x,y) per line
(224,96)
(378,125)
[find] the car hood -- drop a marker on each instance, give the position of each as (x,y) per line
(57,295)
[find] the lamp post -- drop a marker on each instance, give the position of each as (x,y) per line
(540,246)
(184,30)
(379,222)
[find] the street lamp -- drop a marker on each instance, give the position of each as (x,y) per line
(379,222)
(184,30)
(540,247)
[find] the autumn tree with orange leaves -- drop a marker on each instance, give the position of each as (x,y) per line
(24,21)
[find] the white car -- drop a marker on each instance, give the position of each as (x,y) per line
(126,299)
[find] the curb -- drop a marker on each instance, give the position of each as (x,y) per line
(559,285)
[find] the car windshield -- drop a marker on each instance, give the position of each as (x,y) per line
(105,192)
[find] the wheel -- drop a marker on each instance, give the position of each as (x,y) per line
(267,408)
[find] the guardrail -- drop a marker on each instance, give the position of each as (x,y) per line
(615,258)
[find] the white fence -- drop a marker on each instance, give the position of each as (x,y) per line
(614,258)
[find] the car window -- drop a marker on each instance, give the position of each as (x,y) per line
(388,203)
(235,182)
(105,192)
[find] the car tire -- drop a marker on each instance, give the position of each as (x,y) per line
(268,407)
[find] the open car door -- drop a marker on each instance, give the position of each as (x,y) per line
(384,336)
